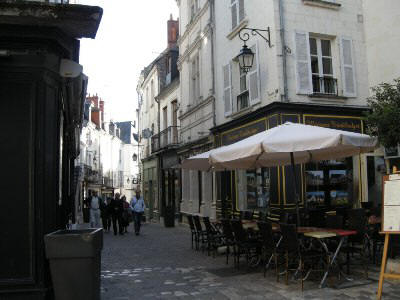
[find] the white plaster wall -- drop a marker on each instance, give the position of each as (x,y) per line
(148,111)
(260,14)
(196,119)
(166,102)
(346,21)
(382,37)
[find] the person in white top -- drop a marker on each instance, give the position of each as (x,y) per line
(137,206)
(94,211)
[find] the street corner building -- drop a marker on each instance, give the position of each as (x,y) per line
(42,93)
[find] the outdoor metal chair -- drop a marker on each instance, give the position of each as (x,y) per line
(229,239)
(269,246)
(296,254)
(214,238)
(201,234)
(356,220)
(251,248)
(193,231)
(334,222)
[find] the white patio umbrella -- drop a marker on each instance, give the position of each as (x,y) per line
(291,143)
(198,162)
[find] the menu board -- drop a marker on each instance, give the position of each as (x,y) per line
(391,204)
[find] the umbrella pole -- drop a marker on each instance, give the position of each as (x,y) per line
(296,193)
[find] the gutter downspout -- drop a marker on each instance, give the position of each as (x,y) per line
(214,178)
(159,164)
(284,97)
(212,23)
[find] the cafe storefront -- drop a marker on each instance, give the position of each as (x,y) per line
(322,185)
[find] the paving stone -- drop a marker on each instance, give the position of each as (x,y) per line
(160,264)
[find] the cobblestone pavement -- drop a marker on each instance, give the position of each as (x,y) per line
(160,264)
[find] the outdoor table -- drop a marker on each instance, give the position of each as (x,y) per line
(324,233)
(247,224)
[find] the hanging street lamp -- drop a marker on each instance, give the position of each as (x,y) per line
(246,56)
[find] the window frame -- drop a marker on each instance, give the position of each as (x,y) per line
(195,79)
(320,58)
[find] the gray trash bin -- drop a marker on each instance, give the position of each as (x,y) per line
(75,261)
(169,216)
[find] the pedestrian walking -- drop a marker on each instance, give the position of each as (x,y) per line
(95,203)
(105,214)
(125,214)
(116,208)
(138,206)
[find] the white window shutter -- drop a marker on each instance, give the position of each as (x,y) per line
(348,72)
(234,13)
(227,89)
(241,10)
(254,77)
(303,64)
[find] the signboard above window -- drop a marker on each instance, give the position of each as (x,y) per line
(392,152)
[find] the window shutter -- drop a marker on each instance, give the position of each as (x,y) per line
(303,65)
(348,72)
(254,77)
(227,89)
(234,13)
(241,10)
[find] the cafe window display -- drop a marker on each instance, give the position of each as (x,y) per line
(329,183)
(253,189)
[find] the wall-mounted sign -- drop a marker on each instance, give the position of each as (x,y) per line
(335,122)
(240,133)
(392,152)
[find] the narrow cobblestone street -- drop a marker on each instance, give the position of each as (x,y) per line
(159,264)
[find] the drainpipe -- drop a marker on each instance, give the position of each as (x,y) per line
(212,23)
(284,97)
(159,163)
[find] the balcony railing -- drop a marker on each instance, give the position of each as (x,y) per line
(324,86)
(166,138)
(107,181)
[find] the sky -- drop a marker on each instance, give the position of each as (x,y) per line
(131,35)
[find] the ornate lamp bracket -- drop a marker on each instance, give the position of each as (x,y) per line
(244,34)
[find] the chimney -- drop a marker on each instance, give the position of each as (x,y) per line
(102,113)
(94,100)
(95,117)
(173,31)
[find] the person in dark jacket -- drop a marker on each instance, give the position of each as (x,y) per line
(116,208)
(105,214)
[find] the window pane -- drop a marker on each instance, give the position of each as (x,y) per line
(316,84)
(327,65)
(326,47)
(314,65)
(313,46)
(243,86)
